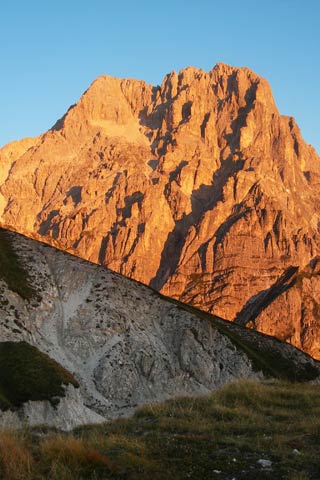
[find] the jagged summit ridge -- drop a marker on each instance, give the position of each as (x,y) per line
(198,187)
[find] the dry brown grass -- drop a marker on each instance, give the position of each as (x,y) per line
(16,461)
(74,455)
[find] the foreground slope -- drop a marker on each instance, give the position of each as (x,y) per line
(198,187)
(247,431)
(124,343)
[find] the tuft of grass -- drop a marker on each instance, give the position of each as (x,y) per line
(16,460)
(11,270)
(73,456)
(28,374)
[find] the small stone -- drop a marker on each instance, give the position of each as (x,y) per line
(295,451)
(264,463)
(216,471)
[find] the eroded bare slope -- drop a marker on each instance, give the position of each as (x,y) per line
(124,343)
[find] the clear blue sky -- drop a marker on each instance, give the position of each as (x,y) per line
(50,51)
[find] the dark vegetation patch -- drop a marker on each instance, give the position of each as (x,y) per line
(28,374)
(11,270)
(220,436)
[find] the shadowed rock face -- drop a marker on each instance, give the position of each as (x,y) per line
(197,187)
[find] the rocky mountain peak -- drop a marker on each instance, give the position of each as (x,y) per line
(198,187)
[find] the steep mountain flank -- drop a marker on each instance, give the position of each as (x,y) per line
(197,187)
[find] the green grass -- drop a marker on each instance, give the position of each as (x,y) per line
(28,374)
(11,270)
(226,432)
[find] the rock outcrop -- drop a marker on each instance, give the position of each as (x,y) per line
(197,187)
(69,413)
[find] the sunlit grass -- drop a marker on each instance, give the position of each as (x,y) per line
(16,459)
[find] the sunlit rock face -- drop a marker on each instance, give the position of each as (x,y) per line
(197,187)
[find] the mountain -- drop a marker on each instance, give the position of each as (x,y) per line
(198,188)
(124,344)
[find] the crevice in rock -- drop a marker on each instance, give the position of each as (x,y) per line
(263,299)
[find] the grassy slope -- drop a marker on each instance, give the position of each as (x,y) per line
(28,374)
(221,436)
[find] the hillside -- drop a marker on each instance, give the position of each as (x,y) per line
(246,430)
(125,344)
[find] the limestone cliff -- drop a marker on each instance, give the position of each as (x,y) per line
(197,187)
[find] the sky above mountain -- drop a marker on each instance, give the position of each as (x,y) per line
(51,51)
